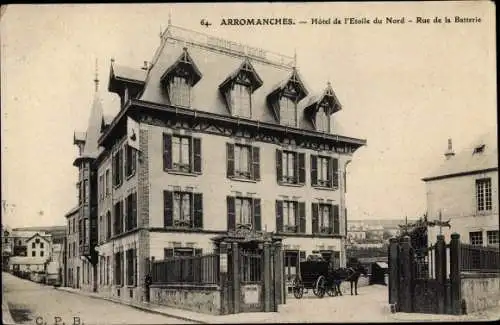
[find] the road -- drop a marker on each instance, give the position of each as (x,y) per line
(33,303)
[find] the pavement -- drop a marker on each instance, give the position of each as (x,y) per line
(369,306)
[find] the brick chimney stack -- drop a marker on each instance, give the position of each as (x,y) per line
(449,153)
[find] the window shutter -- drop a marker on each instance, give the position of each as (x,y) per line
(197,155)
(256,215)
(198,251)
(302,168)
(314,170)
(331,219)
(302,255)
(315,225)
(120,162)
(336,221)
(329,170)
(134,159)
(256,163)
(279,216)
(134,210)
(126,161)
(230,160)
(335,172)
(279,165)
(168,203)
(302,217)
(231,217)
(198,210)
(167,151)
(168,252)
(345,181)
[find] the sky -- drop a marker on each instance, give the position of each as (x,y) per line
(405,88)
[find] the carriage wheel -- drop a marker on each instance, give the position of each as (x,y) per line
(320,287)
(298,288)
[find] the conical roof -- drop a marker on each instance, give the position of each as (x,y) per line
(91,147)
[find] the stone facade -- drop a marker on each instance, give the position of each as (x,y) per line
(480,292)
(199,299)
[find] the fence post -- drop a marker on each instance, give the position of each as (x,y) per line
(236,277)
(406,278)
(267,278)
(222,251)
(455,281)
(393,272)
(440,272)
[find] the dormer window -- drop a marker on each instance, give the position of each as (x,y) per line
(323,119)
(237,89)
(179,91)
(284,98)
(320,108)
(180,78)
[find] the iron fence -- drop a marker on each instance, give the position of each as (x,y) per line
(251,267)
(479,259)
(189,269)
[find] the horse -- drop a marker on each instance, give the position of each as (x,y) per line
(354,272)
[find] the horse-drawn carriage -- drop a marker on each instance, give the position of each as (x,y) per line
(313,275)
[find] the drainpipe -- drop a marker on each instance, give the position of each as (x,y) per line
(342,213)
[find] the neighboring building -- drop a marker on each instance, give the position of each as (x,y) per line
(7,246)
(20,240)
(39,246)
(57,232)
(225,141)
(356,235)
(27,264)
(464,190)
(73,265)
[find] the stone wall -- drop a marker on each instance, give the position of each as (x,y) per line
(202,299)
(480,291)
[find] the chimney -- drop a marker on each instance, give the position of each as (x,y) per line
(146,66)
(449,153)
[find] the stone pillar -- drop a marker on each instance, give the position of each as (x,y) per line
(455,281)
(267,278)
(406,276)
(221,250)
(440,272)
(393,271)
(236,277)
(278,279)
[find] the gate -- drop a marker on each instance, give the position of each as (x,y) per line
(418,277)
(251,280)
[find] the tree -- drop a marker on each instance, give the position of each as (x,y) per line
(387,234)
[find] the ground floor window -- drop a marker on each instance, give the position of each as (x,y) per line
(131,267)
(291,264)
(476,238)
(118,269)
(493,237)
(107,270)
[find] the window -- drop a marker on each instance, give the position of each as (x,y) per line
(74,226)
(118,269)
(118,215)
(108,225)
(118,167)
(107,182)
(241,100)
(179,91)
(183,209)
(131,267)
(107,270)
(101,187)
(290,217)
(131,160)
(288,111)
(41,245)
(33,245)
(85,191)
(80,193)
(483,194)
(74,249)
(243,213)
(180,252)
(290,167)
(131,205)
(493,237)
(291,265)
(41,253)
(181,153)
(324,172)
(322,120)
(476,238)
(33,253)
(243,161)
(325,218)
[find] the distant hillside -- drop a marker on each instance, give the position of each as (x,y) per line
(57,232)
(386,223)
